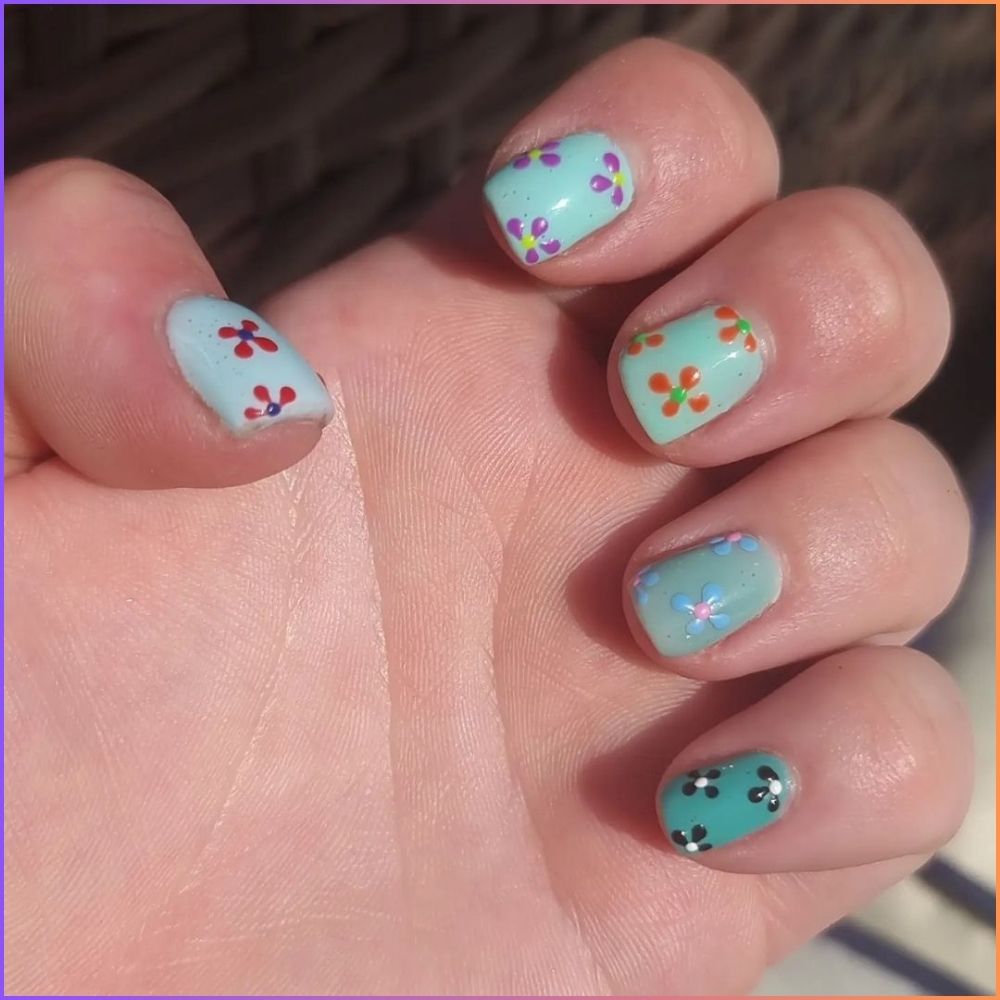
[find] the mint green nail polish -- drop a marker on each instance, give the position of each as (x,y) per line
(698,597)
(548,198)
(242,367)
(712,806)
(684,374)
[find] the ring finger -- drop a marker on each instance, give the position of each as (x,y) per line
(858,532)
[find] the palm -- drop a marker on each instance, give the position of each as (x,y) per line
(374,724)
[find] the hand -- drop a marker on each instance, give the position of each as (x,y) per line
(374,719)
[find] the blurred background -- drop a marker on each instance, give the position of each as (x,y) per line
(257,121)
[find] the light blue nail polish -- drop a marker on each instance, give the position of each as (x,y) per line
(711,806)
(242,367)
(548,198)
(698,597)
(686,373)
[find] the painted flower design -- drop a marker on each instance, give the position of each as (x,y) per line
(679,393)
(531,241)
(691,843)
(546,153)
(247,334)
(702,782)
(722,545)
(737,327)
(614,181)
(271,408)
(705,610)
(641,584)
(771,789)
(642,340)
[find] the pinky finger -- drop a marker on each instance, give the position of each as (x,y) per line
(865,756)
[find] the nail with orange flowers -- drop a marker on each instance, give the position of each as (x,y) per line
(684,374)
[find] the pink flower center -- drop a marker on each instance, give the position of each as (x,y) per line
(734,536)
(702,611)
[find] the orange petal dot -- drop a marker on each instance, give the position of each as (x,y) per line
(750,343)
(671,408)
(659,382)
(726,312)
(654,339)
(635,347)
(698,403)
(690,377)
(728,334)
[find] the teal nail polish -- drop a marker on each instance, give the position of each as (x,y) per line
(550,197)
(698,597)
(686,373)
(712,806)
(242,367)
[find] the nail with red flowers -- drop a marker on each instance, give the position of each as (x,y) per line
(564,189)
(241,367)
(686,373)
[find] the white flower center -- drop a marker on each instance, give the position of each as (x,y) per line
(691,848)
(700,782)
(774,786)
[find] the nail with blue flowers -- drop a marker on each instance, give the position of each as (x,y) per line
(241,367)
(707,808)
(551,197)
(698,597)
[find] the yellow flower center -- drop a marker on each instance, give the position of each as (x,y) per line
(528,241)
(618,179)
(535,154)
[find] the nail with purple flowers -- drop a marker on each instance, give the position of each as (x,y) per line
(556,194)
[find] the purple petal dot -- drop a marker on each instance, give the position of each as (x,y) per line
(521,162)
(618,197)
(551,159)
(538,227)
(515,227)
(612,163)
(599,183)
(531,257)
(551,247)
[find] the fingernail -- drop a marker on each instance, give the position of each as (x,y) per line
(684,374)
(242,367)
(698,597)
(548,198)
(712,806)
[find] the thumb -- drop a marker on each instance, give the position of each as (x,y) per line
(123,359)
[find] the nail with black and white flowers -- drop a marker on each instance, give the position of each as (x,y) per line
(702,782)
(771,790)
(693,843)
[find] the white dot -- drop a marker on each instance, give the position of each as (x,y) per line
(774,787)
(700,782)
(691,848)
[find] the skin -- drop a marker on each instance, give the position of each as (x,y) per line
(374,720)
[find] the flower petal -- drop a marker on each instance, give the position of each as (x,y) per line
(531,257)
(767,773)
(617,197)
(749,544)
(711,593)
(599,183)
(515,227)
(719,622)
(551,159)
(650,578)
(681,602)
(678,837)
(612,162)
(698,832)
(722,547)
(695,627)
(550,145)
(522,161)
(641,597)
(551,246)
(539,226)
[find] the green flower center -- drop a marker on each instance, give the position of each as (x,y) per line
(678,395)
(743,326)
